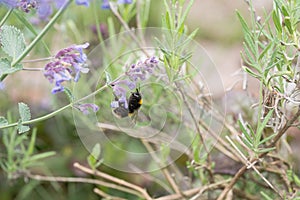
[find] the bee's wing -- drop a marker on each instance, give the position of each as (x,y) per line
(120,112)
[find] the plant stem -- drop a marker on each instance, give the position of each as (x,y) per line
(79,180)
(38,119)
(243,169)
(52,114)
(32,69)
(106,196)
(137,188)
(6,17)
(37,60)
(194,191)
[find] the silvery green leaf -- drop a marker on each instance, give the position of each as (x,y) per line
(12,40)
(24,112)
(5,67)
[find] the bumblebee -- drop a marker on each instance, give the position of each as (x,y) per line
(134,103)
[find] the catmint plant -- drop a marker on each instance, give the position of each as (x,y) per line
(67,65)
(136,72)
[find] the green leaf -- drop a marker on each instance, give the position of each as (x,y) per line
(186,12)
(293,177)
(3,121)
(30,148)
(276,21)
(93,158)
(252,73)
(266,49)
(5,67)
(284,11)
(261,127)
(250,43)
(288,24)
(22,128)
(41,156)
(168,21)
(264,150)
(168,17)
(244,24)
(267,139)
(245,132)
(266,197)
(247,142)
(68,92)
(107,77)
(24,112)
(96,151)
(251,130)
(12,40)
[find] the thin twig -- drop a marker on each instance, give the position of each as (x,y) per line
(137,188)
(106,196)
(79,180)
(194,191)
(211,178)
(32,69)
(243,169)
(251,165)
(37,60)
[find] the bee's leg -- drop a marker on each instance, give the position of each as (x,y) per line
(134,117)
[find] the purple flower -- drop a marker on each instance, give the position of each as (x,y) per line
(44,10)
(9,3)
(59,3)
(67,65)
(83,2)
(85,108)
(141,69)
(105,3)
(27,5)
(124,1)
(2,85)
(134,73)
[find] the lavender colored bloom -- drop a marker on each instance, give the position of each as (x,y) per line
(45,7)
(124,1)
(44,10)
(2,85)
(27,5)
(105,3)
(130,84)
(59,3)
(141,69)
(9,3)
(85,108)
(67,65)
(135,73)
(83,2)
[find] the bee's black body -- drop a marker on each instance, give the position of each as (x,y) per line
(135,102)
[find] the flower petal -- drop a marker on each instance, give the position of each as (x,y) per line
(83,2)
